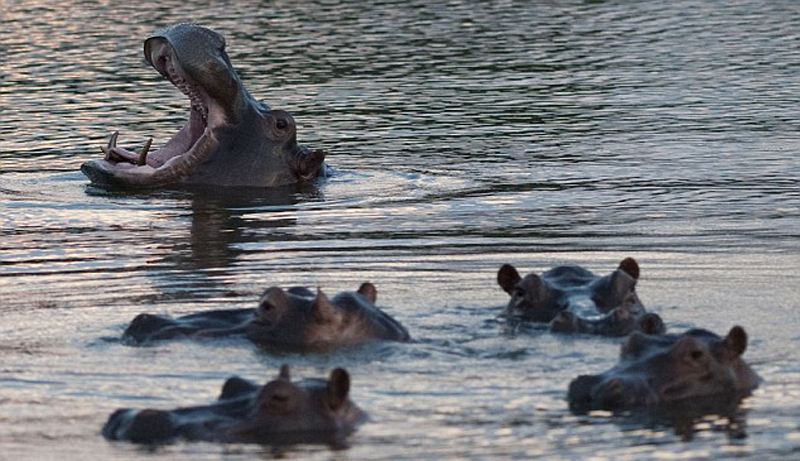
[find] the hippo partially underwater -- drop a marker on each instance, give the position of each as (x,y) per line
(664,369)
(230,139)
(574,300)
(280,412)
(296,319)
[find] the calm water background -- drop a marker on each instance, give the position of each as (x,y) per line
(463,135)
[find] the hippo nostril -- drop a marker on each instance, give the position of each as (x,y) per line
(564,322)
(696,355)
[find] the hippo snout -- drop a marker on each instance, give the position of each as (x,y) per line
(613,394)
(145,426)
(112,426)
(580,392)
(590,392)
(565,322)
(143,326)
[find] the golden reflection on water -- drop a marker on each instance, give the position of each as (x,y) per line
(464,136)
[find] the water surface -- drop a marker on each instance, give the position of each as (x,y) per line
(463,135)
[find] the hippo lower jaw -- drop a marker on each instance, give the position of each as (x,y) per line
(176,168)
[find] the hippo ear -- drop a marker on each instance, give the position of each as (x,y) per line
(621,284)
(324,311)
(736,341)
(630,267)
(633,346)
(507,278)
(284,373)
(275,296)
(368,291)
(338,388)
(272,303)
(235,387)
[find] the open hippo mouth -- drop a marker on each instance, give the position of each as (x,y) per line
(188,148)
(230,138)
(192,136)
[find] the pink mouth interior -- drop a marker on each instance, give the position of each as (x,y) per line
(183,141)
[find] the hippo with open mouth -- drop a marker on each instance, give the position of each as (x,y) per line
(574,300)
(296,319)
(280,412)
(230,139)
(662,369)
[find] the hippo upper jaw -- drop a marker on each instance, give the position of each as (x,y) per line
(230,138)
(191,145)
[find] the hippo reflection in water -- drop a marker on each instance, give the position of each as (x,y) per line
(230,139)
(659,369)
(282,411)
(573,299)
(295,320)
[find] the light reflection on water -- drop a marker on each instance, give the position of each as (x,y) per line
(463,136)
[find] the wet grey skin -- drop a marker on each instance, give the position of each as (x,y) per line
(296,319)
(230,138)
(299,319)
(572,299)
(662,369)
(279,412)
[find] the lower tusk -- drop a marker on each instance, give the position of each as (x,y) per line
(145,150)
(111,143)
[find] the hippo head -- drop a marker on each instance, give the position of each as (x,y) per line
(575,300)
(281,411)
(300,319)
(230,139)
(531,298)
(311,406)
(658,369)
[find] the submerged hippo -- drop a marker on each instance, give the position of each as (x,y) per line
(230,139)
(573,299)
(659,369)
(295,319)
(281,411)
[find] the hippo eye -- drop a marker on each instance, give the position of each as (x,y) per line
(696,354)
(519,292)
(281,124)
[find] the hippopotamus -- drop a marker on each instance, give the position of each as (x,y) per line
(668,368)
(230,139)
(279,412)
(575,300)
(296,319)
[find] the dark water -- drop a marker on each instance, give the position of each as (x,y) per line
(464,135)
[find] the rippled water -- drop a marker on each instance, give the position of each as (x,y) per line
(464,135)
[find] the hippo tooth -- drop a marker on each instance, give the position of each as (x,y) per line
(145,150)
(112,142)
